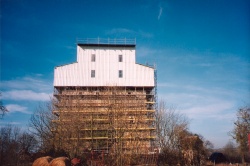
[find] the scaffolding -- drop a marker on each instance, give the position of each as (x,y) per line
(104,41)
(118,122)
(109,124)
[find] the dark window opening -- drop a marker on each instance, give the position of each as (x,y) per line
(92,73)
(120,73)
(120,58)
(93,58)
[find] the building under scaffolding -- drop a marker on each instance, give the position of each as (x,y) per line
(105,102)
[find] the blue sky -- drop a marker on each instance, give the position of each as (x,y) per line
(201,49)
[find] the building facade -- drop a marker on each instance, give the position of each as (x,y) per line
(105,101)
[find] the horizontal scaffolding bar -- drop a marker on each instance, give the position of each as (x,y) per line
(108,41)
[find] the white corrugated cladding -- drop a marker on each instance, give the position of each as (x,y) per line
(106,67)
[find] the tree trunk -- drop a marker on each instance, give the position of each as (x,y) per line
(243,158)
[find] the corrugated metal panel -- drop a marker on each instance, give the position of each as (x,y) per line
(106,68)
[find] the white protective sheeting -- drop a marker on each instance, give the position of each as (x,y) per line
(106,68)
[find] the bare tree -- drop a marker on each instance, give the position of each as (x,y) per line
(241,131)
(15,146)
(209,147)
(177,144)
(170,128)
(231,152)
(41,125)
(169,124)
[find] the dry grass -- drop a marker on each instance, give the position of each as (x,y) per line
(42,161)
(60,161)
(225,164)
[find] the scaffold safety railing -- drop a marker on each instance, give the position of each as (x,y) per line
(115,41)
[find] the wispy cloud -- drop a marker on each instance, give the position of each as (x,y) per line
(71,47)
(205,64)
(209,112)
(194,89)
(119,30)
(4,123)
(25,95)
(143,51)
(30,88)
(17,108)
(128,32)
(219,109)
(160,13)
(28,82)
(200,101)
